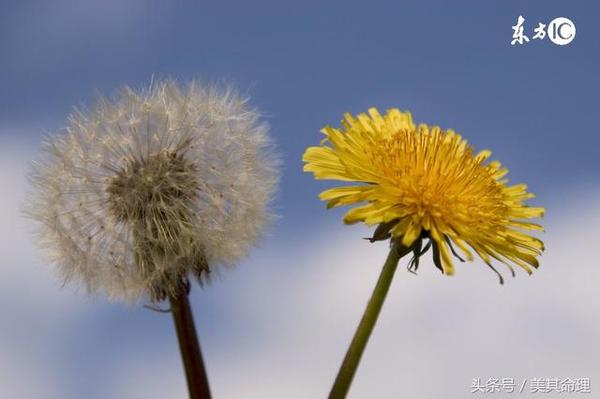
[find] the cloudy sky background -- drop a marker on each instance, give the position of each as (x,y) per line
(278,325)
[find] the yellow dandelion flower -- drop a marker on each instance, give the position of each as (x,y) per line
(423,183)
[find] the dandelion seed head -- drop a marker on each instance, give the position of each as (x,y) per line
(143,191)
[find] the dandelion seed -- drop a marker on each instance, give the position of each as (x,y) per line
(159,185)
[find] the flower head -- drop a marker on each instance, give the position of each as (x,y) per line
(421,183)
(141,192)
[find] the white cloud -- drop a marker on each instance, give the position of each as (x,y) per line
(148,376)
(34,312)
(435,333)
(284,319)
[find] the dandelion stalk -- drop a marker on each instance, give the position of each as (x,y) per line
(367,323)
(189,346)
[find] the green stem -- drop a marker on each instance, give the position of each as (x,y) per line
(190,348)
(361,336)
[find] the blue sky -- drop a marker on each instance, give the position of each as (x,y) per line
(303,64)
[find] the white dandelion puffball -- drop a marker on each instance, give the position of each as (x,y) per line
(159,185)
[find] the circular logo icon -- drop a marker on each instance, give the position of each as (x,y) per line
(561,31)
